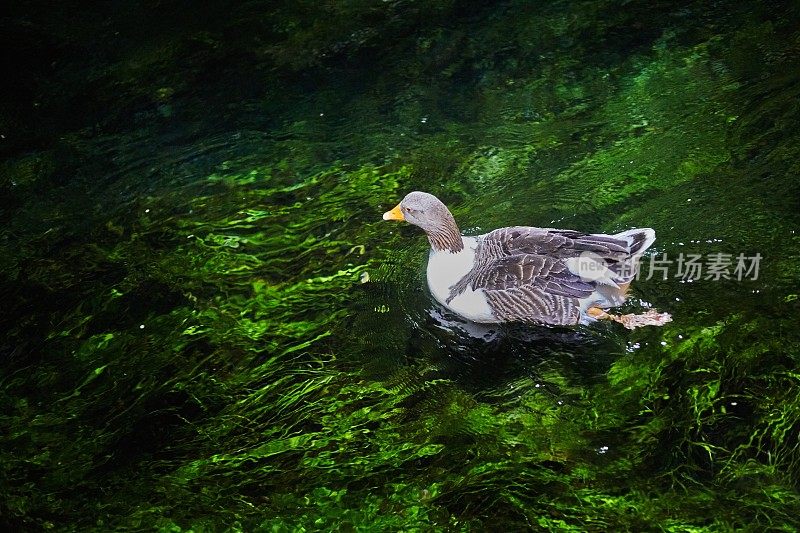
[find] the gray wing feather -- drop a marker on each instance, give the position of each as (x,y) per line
(524,277)
(552,242)
(549,273)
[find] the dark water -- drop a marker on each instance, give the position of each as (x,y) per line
(206,325)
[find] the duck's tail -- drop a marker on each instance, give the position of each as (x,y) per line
(639,240)
(621,268)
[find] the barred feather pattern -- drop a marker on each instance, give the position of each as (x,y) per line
(531,304)
(524,276)
(446,238)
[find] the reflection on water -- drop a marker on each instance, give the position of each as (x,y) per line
(206,324)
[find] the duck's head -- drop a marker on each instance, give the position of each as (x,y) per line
(421,209)
(429,213)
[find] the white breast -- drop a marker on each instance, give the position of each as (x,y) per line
(445,269)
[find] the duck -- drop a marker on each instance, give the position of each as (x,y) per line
(555,277)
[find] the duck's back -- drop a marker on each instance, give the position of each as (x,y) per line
(524,273)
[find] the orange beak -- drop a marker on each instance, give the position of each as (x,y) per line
(394,214)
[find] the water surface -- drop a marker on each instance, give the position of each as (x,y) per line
(207,326)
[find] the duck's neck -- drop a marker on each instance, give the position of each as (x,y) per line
(445,236)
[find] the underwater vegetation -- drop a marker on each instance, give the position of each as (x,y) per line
(206,326)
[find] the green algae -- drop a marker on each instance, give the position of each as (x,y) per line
(241,344)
